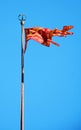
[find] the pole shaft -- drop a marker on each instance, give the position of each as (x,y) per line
(22,75)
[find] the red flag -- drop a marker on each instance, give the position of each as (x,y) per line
(44,35)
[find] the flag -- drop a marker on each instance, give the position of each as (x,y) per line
(44,35)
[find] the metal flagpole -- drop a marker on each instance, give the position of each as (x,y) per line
(22,20)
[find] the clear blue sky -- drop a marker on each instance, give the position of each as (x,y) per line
(52,75)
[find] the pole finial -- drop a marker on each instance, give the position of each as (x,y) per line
(22,18)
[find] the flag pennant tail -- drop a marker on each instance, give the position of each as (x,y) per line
(66,28)
(56,44)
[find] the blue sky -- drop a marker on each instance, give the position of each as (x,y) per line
(52,75)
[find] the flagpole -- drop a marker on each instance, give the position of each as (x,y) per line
(22,20)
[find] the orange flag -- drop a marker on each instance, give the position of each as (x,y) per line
(44,35)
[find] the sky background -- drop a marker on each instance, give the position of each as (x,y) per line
(52,74)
